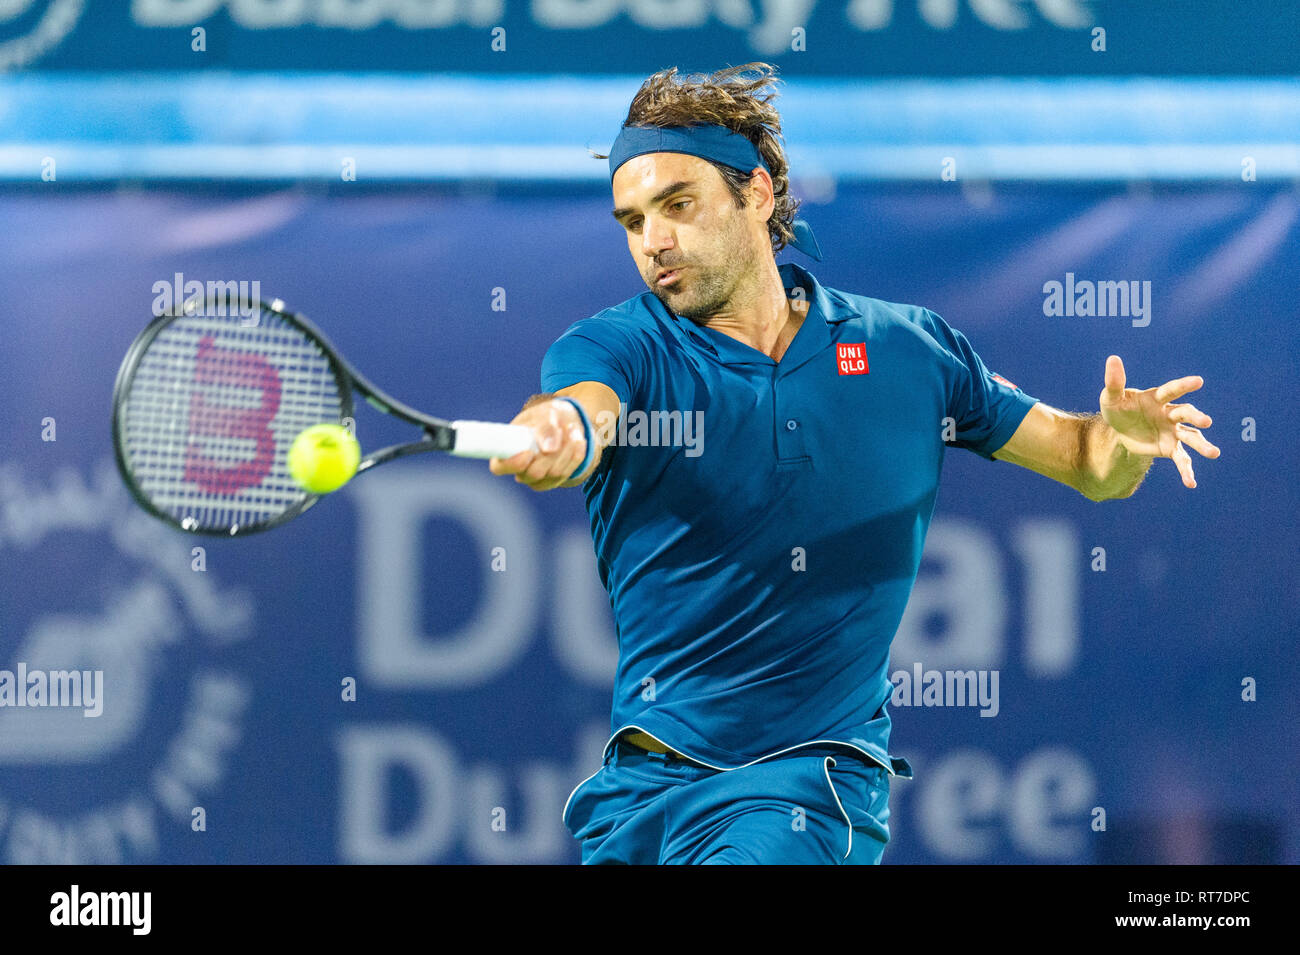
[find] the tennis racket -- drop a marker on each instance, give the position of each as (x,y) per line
(209,399)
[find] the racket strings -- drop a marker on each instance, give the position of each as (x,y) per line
(214,404)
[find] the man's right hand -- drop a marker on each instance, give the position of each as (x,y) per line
(560,440)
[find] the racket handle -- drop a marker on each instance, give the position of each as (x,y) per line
(485,439)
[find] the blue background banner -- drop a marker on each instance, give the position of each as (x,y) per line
(389,128)
(1122,631)
(805,37)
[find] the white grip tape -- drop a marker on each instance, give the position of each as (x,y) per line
(486,439)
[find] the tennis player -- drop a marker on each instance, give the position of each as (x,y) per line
(760,536)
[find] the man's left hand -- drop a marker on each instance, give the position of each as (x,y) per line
(1148,423)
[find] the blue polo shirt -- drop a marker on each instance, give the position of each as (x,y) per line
(758,567)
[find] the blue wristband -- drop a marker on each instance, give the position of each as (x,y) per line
(586,432)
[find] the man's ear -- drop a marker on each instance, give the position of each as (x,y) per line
(761,192)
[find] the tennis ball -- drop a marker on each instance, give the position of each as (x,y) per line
(323,458)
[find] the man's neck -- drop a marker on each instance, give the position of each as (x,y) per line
(768,321)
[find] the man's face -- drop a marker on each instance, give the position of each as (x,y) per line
(680,216)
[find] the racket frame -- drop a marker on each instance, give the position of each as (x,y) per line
(439,433)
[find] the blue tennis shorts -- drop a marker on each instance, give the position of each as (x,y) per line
(808,807)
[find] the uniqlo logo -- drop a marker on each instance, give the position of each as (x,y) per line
(1009,384)
(851,359)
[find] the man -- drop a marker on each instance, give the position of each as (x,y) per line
(759,541)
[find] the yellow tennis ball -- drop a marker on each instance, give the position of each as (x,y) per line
(323,458)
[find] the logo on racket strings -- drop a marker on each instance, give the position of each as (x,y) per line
(221,370)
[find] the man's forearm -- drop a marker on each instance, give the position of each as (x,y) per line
(1108,471)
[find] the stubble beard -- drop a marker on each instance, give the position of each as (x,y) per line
(708,291)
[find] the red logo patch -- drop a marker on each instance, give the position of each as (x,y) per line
(851,359)
(1009,384)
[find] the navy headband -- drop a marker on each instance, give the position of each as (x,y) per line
(708,142)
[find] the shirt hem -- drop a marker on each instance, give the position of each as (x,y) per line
(880,757)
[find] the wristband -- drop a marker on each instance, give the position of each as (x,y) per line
(586,433)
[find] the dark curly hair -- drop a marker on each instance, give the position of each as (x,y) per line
(739,98)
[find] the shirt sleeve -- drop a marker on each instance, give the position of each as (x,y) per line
(986,407)
(593,350)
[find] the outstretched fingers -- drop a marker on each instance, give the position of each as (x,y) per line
(1184,462)
(1171,390)
(1189,414)
(1114,379)
(1189,436)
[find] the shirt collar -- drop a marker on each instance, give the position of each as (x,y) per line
(830,305)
